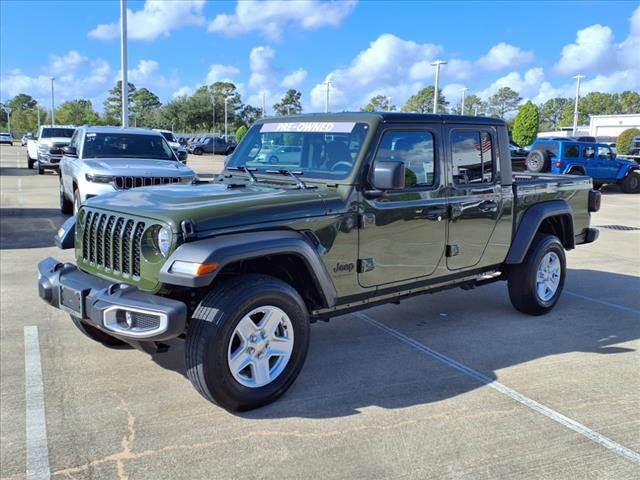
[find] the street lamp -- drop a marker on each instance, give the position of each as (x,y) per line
(226,99)
(575,109)
(53,112)
(437,64)
(326,99)
(213,114)
(123,63)
(464,90)
(264,103)
(388,104)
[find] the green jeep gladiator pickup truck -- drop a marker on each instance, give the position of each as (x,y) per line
(313,216)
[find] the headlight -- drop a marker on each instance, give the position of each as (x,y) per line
(164,241)
(98,178)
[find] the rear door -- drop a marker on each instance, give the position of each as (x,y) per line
(402,234)
(475,200)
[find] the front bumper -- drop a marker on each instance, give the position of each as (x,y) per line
(118,309)
(49,161)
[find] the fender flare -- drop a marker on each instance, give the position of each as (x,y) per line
(228,249)
(530,223)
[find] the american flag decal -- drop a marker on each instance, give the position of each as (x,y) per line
(485,143)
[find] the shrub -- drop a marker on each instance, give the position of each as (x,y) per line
(240,133)
(623,143)
(525,127)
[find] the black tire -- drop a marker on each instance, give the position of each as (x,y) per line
(211,330)
(77,201)
(576,171)
(40,169)
(538,161)
(197,151)
(597,185)
(631,182)
(98,335)
(66,206)
(273,160)
(523,290)
(30,162)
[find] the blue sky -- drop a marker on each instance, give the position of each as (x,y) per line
(366,48)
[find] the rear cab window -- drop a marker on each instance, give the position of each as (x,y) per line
(472,157)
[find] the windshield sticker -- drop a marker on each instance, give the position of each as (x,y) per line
(91,134)
(310,127)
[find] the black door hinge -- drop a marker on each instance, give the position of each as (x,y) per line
(365,265)
(452,250)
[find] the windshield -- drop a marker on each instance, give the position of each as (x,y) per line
(126,145)
(57,132)
(169,136)
(315,149)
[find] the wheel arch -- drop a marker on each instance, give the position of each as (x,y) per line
(553,217)
(287,255)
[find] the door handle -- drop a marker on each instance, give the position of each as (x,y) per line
(434,213)
(488,206)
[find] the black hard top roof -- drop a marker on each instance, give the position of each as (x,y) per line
(387,117)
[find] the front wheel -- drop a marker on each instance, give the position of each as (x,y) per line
(247,342)
(77,201)
(631,182)
(535,285)
(66,206)
(198,151)
(40,169)
(30,162)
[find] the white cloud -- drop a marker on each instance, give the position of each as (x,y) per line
(270,18)
(294,79)
(629,50)
(157,18)
(503,56)
(66,63)
(147,74)
(182,91)
(221,73)
(261,65)
(591,52)
(526,85)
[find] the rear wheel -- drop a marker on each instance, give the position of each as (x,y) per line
(538,162)
(535,285)
(97,335)
(198,151)
(631,182)
(247,342)
(30,162)
(66,206)
(77,201)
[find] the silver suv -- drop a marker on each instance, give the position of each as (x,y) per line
(107,159)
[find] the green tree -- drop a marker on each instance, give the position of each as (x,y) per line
(290,103)
(143,106)
(22,101)
(76,112)
(249,115)
(379,103)
(241,132)
(597,103)
(113,103)
(629,102)
(503,101)
(551,113)
(525,127)
(471,102)
(422,102)
(623,142)
(219,91)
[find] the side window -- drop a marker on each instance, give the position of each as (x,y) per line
(415,150)
(588,152)
(472,155)
(604,153)
(572,151)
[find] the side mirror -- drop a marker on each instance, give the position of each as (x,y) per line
(182,156)
(388,175)
(70,151)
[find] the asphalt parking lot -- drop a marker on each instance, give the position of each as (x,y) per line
(452,385)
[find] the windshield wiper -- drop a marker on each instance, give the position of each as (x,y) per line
(294,175)
(249,171)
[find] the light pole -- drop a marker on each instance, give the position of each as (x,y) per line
(123,63)
(53,112)
(388,104)
(38,112)
(575,109)
(264,103)
(475,110)
(213,114)
(326,100)
(226,99)
(8,110)
(464,90)
(437,64)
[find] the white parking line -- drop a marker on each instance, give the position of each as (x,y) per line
(20,193)
(602,302)
(36,422)
(518,397)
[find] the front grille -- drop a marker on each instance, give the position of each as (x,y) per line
(124,183)
(112,242)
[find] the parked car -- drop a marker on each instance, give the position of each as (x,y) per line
(181,152)
(108,159)
(286,155)
(6,138)
(635,146)
(210,144)
(25,138)
(240,267)
(518,157)
(45,152)
(596,160)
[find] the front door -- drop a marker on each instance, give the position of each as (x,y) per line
(607,165)
(475,200)
(402,234)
